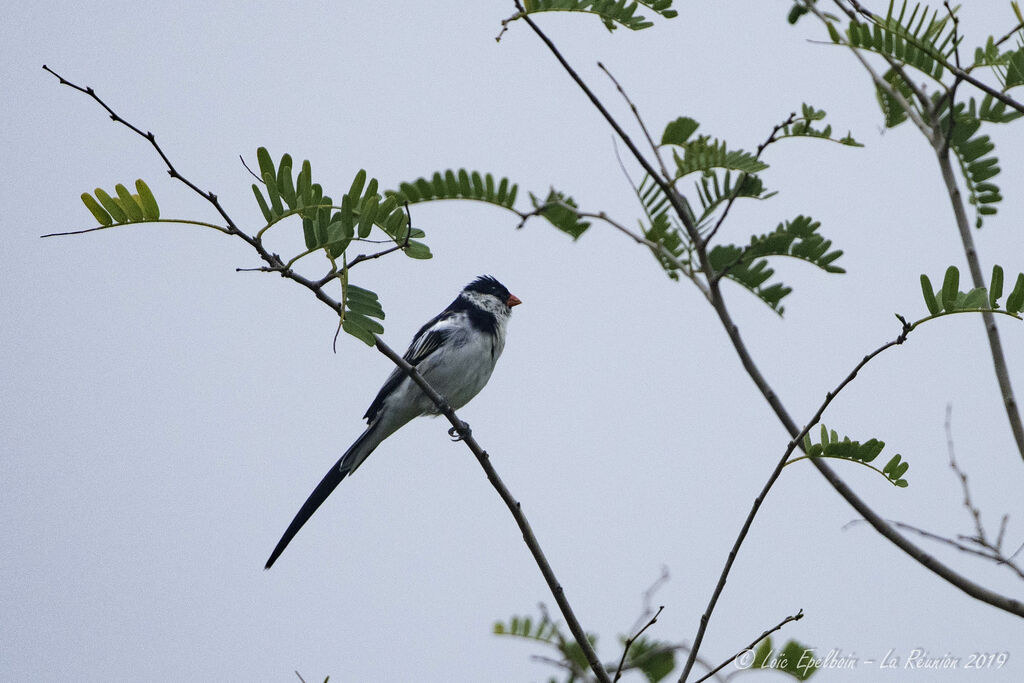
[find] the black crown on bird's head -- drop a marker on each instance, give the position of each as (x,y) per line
(488,284)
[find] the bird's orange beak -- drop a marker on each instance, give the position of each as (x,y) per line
(513,300)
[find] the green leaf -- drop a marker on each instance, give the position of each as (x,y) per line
(558,209)
(804,127)
(285,186)
(797,11)
(265,162)
(762,653)
(457,185)
(703,154)
(417,250)
(832,446)
(352,326)
(995,287)
(356,190)
(976,298)
(655,659)
(367,213)
(748,266)
(545,631)
(924,40)
(613,13)
(794,659)
(364,322)
(974,152)
(929,296)
(950,288)
(1015,302)
(716,188)
(892,109)
(98,212)
(679,131)
(150,209)
(275,197)
(128,203)
(112,207)
(1014,70)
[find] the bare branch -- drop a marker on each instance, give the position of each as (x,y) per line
(648,610)
(794,617)
(633,639)
(640,121)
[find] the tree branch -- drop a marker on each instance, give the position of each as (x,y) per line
(978,279)
(275,264)
(629,643)
(793,617)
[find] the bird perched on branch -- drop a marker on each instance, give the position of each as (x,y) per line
(455,353)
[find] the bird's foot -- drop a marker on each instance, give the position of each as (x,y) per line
(461,432)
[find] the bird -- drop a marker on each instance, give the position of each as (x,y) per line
(455,352)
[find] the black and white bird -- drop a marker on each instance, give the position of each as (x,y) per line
(455,353)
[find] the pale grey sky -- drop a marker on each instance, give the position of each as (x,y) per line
(163,416)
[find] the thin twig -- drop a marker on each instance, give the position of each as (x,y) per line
(794,617)
(647,595)
(150,220)
(640,121)
(987,552)
(960,474)
(629,642)
(242,159)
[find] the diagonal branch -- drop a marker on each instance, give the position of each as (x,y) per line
(632,639)
(639,120)
(458,426)
(793,617)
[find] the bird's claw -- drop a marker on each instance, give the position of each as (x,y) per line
(459,433)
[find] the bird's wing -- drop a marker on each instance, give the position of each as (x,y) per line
(428,340)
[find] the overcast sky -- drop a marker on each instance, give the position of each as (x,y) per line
(162,417)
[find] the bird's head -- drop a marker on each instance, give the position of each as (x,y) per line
(488,286)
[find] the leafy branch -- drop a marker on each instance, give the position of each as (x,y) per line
(831,446)
(949,126)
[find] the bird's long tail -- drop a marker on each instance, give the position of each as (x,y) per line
(352,458)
